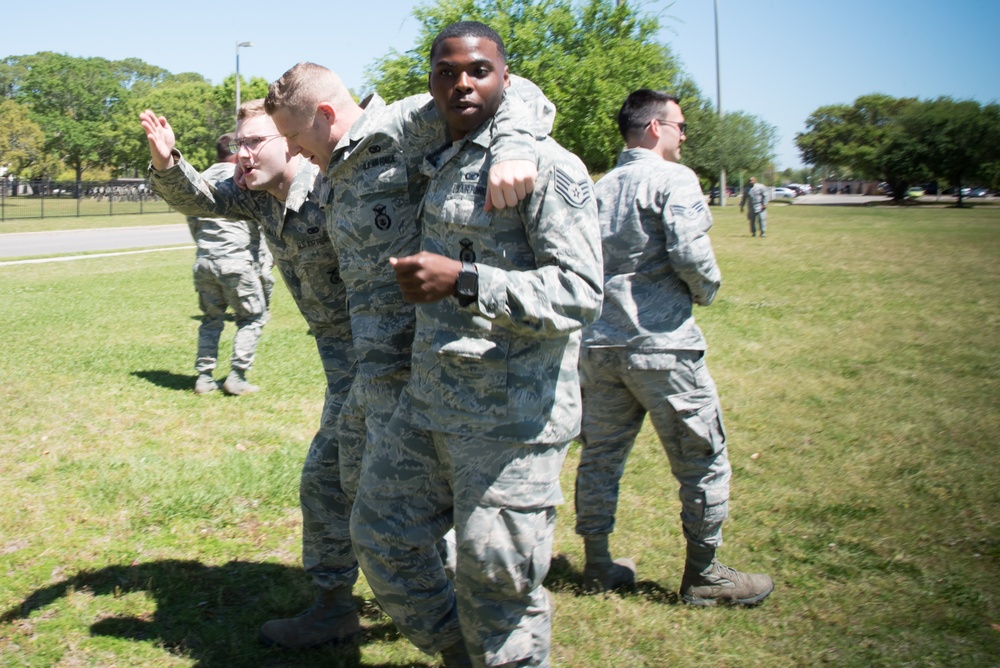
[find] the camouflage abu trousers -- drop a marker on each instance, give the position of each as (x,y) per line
(330,475)
(501,498)
(327,555)
(619,388)
(234,284)
(757,219)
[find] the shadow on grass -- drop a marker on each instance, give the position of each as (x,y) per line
(564,577)
(168,379)
(210,614)
(228,316)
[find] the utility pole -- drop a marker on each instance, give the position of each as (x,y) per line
(718,99)
(238,45)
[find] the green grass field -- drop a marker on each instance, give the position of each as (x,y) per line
(855,351)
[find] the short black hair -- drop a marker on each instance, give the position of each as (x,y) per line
(469,29)
(641,107)
(222,152)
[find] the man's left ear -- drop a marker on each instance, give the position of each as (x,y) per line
(326,110)
(506,77)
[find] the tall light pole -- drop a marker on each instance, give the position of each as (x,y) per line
(718,98)
(238,45)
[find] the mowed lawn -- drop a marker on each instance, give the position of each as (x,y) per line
(855,351)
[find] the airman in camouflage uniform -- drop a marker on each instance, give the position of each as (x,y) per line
(646,355)
(374,171)
(294,227)
(481,431)
(755,199)
(227,274)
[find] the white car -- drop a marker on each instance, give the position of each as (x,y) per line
(780,192)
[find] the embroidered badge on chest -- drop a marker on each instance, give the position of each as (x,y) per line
(576,193)
(466,254)
(382,219)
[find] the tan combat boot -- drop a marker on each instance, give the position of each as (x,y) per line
(333,618)
(600,573)
(236,383)
(707,582)
(205,384)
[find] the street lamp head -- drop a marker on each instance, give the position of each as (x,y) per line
(239,44)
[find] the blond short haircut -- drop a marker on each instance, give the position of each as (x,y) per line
(303,87)
(251,109)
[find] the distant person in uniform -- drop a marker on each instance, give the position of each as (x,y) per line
(227,274)
(646,356)
(755,199)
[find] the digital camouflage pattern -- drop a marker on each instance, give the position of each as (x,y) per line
(483,426)
(295,231)
(377,187)
(508,364)
(658,259)
(646,354)
(227,275)
(758,196)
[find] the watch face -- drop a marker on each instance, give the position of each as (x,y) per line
(467,283)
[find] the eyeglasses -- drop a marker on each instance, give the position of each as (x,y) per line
(252,144)
(681,127)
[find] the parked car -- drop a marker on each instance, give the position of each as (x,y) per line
(730,191)
(780,192)
(979,192)
(953,190)
(914,192)
(800,188)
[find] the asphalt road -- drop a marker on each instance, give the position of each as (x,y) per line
(28,244)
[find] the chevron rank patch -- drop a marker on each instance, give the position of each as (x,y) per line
(693,211)
(576,193)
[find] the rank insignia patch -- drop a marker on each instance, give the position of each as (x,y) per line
(576,193)
(692,211)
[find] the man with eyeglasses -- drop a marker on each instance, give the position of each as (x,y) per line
(285,194)
(646,355)
(230,271)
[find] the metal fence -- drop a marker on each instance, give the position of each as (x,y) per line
(61,199)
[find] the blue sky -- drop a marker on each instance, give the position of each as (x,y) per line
(780,59)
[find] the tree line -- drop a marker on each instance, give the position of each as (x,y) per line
(906,141)
(62,115)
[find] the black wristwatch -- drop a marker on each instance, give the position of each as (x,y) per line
(467,284)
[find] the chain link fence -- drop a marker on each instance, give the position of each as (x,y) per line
(62,199)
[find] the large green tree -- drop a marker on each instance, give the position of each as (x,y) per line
(586,57)
(904,141)
(73,100)
(21,140)
(736,142)
(88,109)
(959,140)
(193,110)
